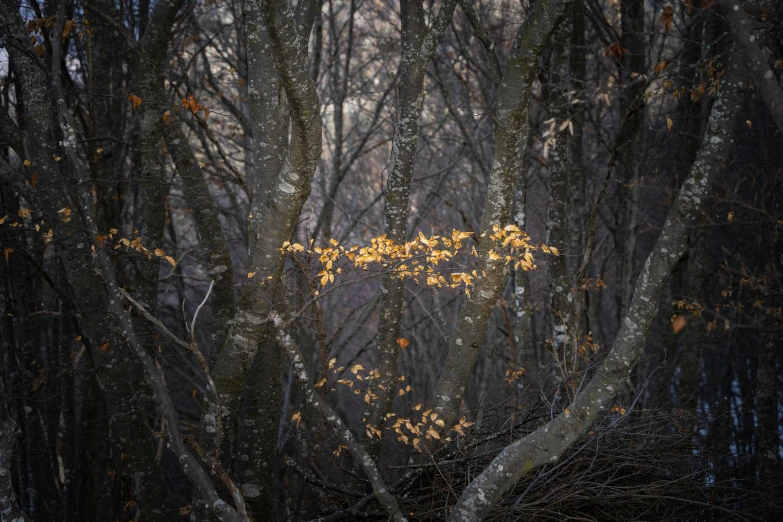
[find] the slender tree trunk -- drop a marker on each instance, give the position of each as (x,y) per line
(510,143)
(418,45)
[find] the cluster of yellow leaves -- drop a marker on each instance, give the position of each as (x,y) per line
(421,258)
(409,431)
(50,22)
(514,375)
(710,75)
(515,247)
(25,213)
(135,244)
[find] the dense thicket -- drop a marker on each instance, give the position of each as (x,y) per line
(404,260)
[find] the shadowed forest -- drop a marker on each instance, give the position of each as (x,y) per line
(403,260)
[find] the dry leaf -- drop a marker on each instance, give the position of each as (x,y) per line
(135,100)
(679,323)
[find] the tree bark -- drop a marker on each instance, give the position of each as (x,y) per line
(418,45)
(547,444)
(510,145)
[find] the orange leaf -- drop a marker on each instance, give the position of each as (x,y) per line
(679,323)
(135,100)
(403,342)
(667,18)
(104,346)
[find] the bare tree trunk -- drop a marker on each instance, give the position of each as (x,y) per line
(117,375)
(632,69)
(418,45)
(763,76)
(561,297)
(510,144)
(214,253)
(547,444)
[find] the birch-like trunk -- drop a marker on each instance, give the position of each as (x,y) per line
(549,442)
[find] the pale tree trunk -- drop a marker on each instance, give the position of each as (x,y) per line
(510,143)
(419,43)
(549,442)
(282,171)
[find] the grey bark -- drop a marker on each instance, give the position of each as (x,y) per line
(510,144)
(9,508)
(632,69)
(558,280)
(762,74)
(129,401)
(418,46)
(215,254)
(282,172)
(547,444)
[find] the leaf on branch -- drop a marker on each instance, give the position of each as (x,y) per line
(403,342)
(616,50)
(667,17)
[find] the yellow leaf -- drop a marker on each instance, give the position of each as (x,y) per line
(669,123)
(250,274)
(332,363)
(170,260)
(403,342)
(2,219)
(749,123)
(166,116)
(7,251)
(26,163)
(296,417)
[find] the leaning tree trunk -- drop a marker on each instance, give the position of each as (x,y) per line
(548,443)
